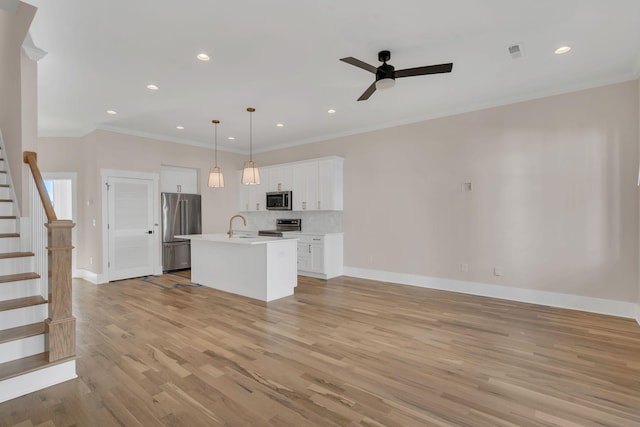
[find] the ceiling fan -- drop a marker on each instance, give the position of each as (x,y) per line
(386,74)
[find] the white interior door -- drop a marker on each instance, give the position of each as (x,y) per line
(130,227)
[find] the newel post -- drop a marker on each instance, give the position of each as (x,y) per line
(61,325)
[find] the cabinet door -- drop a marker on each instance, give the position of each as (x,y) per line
(243,195)
(316,258)
(251,198)
(280,178)
(257,197)
(305,186)
(330,185)
(304,256)
(174,179)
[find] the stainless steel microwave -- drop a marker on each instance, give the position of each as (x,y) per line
(279,201)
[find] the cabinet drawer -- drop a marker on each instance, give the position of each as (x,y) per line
(311,240)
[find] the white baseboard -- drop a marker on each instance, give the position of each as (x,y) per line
(37,380)
(552,299)
(90,276)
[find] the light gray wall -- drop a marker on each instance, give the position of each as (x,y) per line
(554,201)
(13,29)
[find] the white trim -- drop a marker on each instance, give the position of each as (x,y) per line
(90,276)
(12,190)
(552,299)
(32,51)
(105,174)
(37,380)
(638,313)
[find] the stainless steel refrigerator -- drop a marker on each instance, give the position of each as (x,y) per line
(181,214)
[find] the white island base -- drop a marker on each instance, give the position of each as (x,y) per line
(263,268)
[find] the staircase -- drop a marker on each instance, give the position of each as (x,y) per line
(26,362)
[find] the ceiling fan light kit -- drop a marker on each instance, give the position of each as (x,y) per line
(386,74)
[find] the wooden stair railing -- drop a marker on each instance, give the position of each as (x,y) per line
(61,325)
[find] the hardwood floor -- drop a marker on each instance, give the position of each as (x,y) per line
(344,352)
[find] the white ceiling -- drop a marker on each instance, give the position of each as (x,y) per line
(282,57)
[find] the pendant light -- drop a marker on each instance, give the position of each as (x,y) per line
(250,172)
(216,180)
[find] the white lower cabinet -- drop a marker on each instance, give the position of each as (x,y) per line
(319,255)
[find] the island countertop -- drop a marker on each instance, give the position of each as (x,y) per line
(240,240)
(260,267)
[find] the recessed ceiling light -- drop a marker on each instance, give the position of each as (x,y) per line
(562,50)
(332,111)
(203,57)
(152,87)
(112,112)
(180,127)
(280,125)
(231,138)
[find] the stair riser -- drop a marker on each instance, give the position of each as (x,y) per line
(5,193)
(23,316)
(20,289)
(34,381)
(8,225)
(3,178)
(16,265)
(6,208)
(24,347)
(9,244)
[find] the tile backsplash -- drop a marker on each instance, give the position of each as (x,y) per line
(312,221)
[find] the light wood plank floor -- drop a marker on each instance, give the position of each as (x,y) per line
(346,352)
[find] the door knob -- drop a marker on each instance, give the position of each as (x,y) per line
(150,232)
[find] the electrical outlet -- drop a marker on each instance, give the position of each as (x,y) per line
(90,260)
(497,271)
(464,267)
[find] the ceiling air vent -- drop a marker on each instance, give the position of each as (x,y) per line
(515,51)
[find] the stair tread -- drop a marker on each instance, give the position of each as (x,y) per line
(22,302)
(5,255)
(8,217)
(22,332)
(4,185)
(9,235)
(25,365)
(6,200)
(18,277)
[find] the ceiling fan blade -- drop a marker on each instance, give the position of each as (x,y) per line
(429,69)
(367,93)
(359,64)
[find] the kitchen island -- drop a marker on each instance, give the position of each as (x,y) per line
(263,268)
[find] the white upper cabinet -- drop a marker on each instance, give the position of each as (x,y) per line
(175,179)
(305,187)
(280,178)
(316,185)
(252,198)
(330,183)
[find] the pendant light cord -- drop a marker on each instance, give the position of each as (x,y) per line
(216,145)
(250,136)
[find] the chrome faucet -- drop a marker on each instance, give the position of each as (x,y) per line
(230,232)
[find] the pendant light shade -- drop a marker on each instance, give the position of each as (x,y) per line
(250,172)
(216,180)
